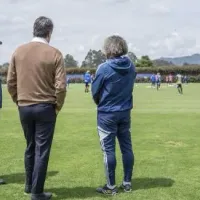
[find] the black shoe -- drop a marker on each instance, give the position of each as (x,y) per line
(126,188)
(43,196)
(107,191)
(2,182)
(27,189)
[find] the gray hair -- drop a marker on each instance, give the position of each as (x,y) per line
(42,27)
(115,46)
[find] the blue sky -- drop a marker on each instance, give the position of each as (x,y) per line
(153,27)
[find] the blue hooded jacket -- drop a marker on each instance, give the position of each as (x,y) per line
(113,85)
(0,95)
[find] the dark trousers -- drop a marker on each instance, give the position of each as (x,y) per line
(110,126)
(38,122)
(158,85)
(180,88)
(87,86)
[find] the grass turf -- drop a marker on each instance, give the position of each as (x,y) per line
(165,134)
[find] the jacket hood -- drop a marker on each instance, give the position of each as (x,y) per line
(121,64)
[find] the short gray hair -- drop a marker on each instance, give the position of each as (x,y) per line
(42,27)
(115,46)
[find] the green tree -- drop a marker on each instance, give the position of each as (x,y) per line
(4,69)
(145,61)
(70,61)
(185,64)
(93,59)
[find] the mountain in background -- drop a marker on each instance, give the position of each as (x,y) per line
(185,60)
(160,62)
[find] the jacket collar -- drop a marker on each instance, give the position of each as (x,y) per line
(38,39)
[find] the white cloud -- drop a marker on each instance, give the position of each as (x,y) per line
(59,39)
(18,19)
(152,53)
(81,48)
(154,44)
(81,25)
(134,49)
(175,44)
(115,1)
(130,45)
(159,8)
(3,18)
(94,39)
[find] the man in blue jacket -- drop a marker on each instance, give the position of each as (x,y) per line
(112,92)
(1,180)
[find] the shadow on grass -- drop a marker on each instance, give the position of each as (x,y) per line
(19,178)
(89,192)
(76,192)
(149,183)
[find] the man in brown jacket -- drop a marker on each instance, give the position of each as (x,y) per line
(37,84)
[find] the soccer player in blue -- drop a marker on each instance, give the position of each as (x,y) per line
(153,80)
(87,80)
(112,92)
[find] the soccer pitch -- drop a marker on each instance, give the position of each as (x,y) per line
(165,136)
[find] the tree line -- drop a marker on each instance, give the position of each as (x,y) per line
(95,57)
(143,65)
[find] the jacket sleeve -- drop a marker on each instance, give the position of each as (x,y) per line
(60,83)
(134,74)
(97,84)
(12,80)
(0,95)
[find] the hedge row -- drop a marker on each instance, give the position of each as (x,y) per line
(80,70)
(184,70)
(192,71)
(189,70)
(191,79)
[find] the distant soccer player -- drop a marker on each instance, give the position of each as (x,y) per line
(68,82)
(185,79)
(179,84)
(87,80)
(153,81)
(170,79)
(167,80)
(158,80)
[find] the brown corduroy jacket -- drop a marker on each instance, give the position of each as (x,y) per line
(36,75)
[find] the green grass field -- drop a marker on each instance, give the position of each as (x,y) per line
(166,140)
